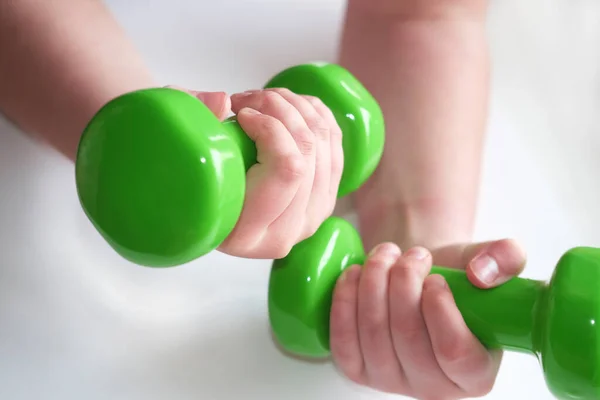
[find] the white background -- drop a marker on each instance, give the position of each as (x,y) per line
(77,322)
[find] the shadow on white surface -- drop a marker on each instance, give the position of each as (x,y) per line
(76,321)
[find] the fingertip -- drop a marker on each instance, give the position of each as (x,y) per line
(418,253)
(496,264)
(513,250)
(350,274)
(386,251)
(435,283)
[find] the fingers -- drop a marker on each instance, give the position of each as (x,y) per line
(218,102)
(409,331)
(302,116)
(345,344)
(461,357)
(307,121)
(270,189)
(496,263)
(381,364)
(488,264)
(397,329)
(335,145)
(273,104)
(320,203)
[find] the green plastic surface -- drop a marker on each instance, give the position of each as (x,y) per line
(164,181)
(555,321)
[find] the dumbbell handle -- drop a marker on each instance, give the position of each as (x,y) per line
(502,317)
(246,145)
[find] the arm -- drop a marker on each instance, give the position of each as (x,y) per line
(395,326)
(428,67)
(60,61)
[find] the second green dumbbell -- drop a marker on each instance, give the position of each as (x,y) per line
(163,180)
(557,321)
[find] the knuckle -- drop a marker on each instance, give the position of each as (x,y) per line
(343,298)
(319,127)
(269,124)
(375,262)
(279,251)
(291,167)
(404,271)
(409,268)
(374,327)
(272,99)
(453,353)
(409,330)
(315,101)
(305,142)
(321,107)
(336,133)
(311,229)
(283,91)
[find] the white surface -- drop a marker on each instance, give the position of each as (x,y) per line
(77,322)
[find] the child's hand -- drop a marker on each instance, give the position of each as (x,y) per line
(396,329)
(217,102)
(293,187)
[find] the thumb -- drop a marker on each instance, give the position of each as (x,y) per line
(487,264)
(217,102)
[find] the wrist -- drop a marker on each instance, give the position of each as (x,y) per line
(431,223)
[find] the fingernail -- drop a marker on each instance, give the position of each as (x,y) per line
(435,281)
(485,269)
(418,253)
(387,253)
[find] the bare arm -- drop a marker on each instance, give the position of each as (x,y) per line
(60,61)
(427,64)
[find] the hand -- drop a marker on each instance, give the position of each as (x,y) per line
(293,187)
(217,102)
(397,329)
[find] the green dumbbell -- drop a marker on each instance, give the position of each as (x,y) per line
(558,321)
(164,181)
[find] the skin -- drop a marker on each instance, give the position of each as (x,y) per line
(56,73)
(393,327)
(426,62)
(293,188)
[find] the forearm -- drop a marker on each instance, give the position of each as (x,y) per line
(429,71)
(60,61)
